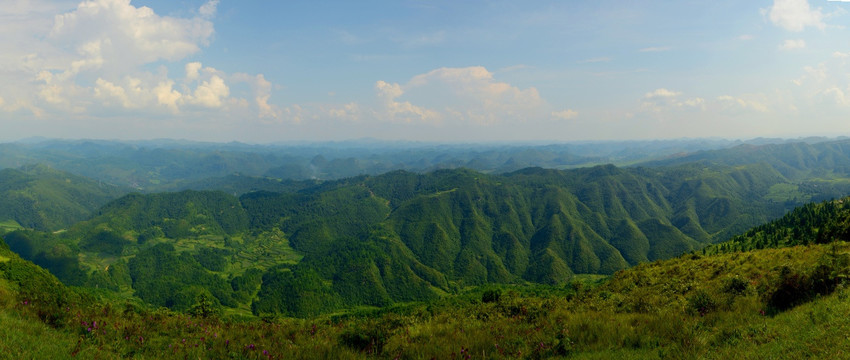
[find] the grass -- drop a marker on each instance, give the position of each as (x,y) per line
(9,226)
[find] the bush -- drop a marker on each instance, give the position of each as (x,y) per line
(491,296)
(791,289)
(700,302)
(735,285)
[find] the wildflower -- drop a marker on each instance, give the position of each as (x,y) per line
(89,329)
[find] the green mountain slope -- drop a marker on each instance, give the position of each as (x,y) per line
(795,161)
(46,199)
(379,240)
(773,303)
(813,223)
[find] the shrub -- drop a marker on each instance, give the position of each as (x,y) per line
(735,285)
(700,302)
(791,289)
(491,296)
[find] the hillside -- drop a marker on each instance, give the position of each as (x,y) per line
(43,198)
(401,236)
(813,223)
(796,161)
(775,303)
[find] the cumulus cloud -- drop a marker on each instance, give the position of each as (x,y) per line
(192,70)
(210,93)
(402,111)
(468,95)
(793,45)
(100,55)
(124,35)
(795,15)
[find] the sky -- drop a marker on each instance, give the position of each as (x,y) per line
(449,71)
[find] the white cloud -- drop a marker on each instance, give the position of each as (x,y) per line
(661,93)
(662,100)
(348,112)
(469,95)
(565,114)
(208,9)
(210,93)
(695,102)
(730,102)
(402,111)
(101,58)
(262,90)
(472,94)
(167,96)
(192,69)
(795,15)
(107,90)
(124,35)
(838,95)
(793,45)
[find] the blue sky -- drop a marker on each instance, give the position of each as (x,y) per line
(459,71)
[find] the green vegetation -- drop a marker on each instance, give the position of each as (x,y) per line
(763,303)
(42,198)
(400,237)
(811,223)
(532,263)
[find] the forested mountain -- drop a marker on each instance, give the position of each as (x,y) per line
(402,236)
(795,161)
(812,223)
(43,198)
(308,247)
(773,303)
